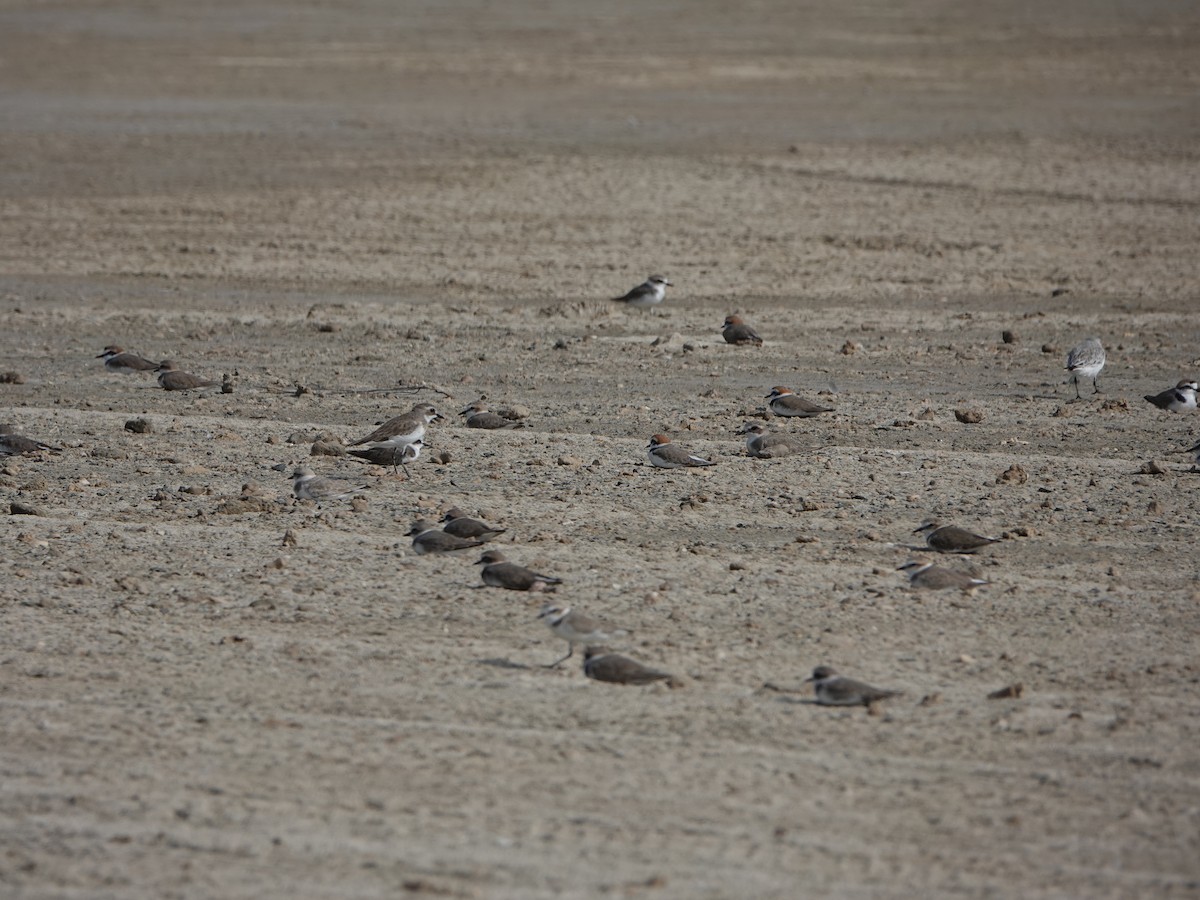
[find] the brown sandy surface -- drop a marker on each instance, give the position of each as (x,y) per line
(327,201)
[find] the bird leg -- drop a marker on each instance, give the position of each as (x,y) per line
(559,662)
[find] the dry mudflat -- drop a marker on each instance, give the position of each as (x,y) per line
(349,209)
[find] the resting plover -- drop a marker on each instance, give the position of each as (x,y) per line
(404,429)
(1086,360)
(1181,398)
(665,455)
(785,402)
(499,572)
(764,445)
(576,628)
(647,294)
(307,485)
(173,379)
(428,538)
(736,331)
(935,578)
(13,443)
(833,689)
(602,664)
(951,538)
(390,454)
(459,524)
(479,416)
(117,360)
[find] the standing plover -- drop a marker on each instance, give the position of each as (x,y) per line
(736,331)
(666,455)
(647,294)
(951,538)
(785,402)
(459,524)
(602,664)
(307,485)
(935,578)
(833,689)
(499,572)
(172,378)
(576,628)
(1086,360)
(13,443)
(427,538)
(1181,398)
(479,416)
(764,445)
(404,429)
(117,360)
(393,455)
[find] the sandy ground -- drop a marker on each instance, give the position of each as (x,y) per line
(347,209)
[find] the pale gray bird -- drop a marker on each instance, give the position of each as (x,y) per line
(736,331)
(479,416)
(404,429)
(13,443)
(665,455)
(427,538)
(832,689)
(935,578)
(1181,398)
(116,359)
(172,378)
(762,444)
(307,485)
(1086,360)
(459,524)
(576,628)
(647,294)
(393,455)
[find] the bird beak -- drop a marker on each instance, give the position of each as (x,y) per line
(809,679)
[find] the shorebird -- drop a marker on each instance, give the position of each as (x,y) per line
(307,485)
(479,416)
(575,628)
(736,331)
(13,443)
(951,538)
(428,539)
(1086,360)
(602,664)
(935,578)
(173,379)
(784,402)
(666,455)
(499,572)
(833,689)
(116,359)
(459,524)
(1195,451)
(764,445)
(405,429)
(1181,398)
(393,455)
(647,294)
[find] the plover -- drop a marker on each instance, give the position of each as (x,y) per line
(1086,360)
(833,689)
(1181,398)
(1195,451)
(427,538)
(935,578)
(499,572)
(951,538)
(666,455)
(575,628)
(393,455)
(459,524)
(172,378)
(602,664)
(736,331)
(404,429)
(784,402)
(647,294)
(479,416)
(116,359)
(308,485)
(13,443)
(764,445)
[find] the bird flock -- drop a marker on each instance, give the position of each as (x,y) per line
(398,442)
